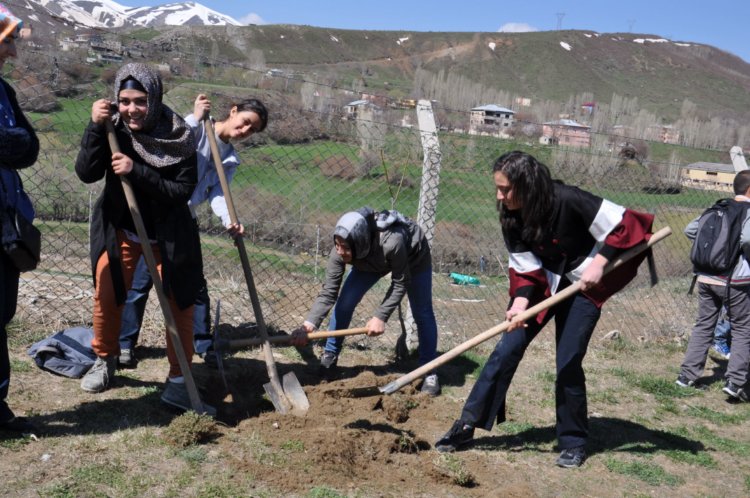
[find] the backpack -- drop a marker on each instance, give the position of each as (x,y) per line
(716,248)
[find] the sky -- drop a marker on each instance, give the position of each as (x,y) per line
(724,24)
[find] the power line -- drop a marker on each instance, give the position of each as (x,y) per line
(560,16)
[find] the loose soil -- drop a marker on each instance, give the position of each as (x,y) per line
(353,444)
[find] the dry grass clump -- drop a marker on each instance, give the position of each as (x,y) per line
(453,468)
(190,428)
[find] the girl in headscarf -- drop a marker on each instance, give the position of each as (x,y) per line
(376,244)
(158,158)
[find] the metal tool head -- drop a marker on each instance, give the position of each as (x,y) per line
(216,350)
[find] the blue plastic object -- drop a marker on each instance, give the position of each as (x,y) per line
(461,279)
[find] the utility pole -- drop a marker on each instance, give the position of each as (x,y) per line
(631,23)
(560,16)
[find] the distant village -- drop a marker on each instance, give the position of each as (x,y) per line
(489,120)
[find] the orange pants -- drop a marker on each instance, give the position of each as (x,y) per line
(108,315)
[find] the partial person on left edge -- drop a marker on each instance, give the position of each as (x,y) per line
(19,148)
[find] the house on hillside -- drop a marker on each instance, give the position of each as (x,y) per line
(622,130)
(667,134)
(378,100)
(491,120)
(588,108)
(352,109)
(566,132)
(708,176)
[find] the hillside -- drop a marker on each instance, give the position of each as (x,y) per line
(544,65)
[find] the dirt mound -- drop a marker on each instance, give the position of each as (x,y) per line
(351,435)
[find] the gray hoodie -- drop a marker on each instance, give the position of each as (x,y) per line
(400,249)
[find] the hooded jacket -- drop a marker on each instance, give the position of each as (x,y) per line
(400,249)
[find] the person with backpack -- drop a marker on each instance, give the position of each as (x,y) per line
(376,244)
(720,252)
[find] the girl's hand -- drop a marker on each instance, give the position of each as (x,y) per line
(201,107)
(593,273)
(375,326)
(121,164)
(236,230)
(101,111)
(299,335)
(520,304)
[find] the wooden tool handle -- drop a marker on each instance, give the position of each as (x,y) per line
(285,339)
(148,255)
(526,315)
(273,374)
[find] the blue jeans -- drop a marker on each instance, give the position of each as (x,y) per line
(722,333)
(419,290)
(575,320)
(135,306)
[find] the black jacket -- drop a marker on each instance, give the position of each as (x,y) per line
(19,146)
(161,194)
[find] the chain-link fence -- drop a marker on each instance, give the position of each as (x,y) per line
(319,159)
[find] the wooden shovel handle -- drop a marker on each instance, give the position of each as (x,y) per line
(273,374)
(148,255)
(285,339)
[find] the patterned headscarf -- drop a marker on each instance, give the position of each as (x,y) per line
(8,23)
(165,138)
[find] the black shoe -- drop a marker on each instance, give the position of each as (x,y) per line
(572,457)
(683,381)
(460,434)
(329,360)
(735,391)
(431,385)
(18,424)
(127,359)
(210,359)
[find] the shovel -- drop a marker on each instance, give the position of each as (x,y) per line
(224,345)
(148,255)
(503,327)
(290,397)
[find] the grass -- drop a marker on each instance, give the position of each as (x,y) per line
(647,472)
(476,359)
(323,492)
(294,445)
(700,458)
(453,467)
(736,448)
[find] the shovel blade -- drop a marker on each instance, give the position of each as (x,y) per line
(295,394)
(289,399)
(276,395)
